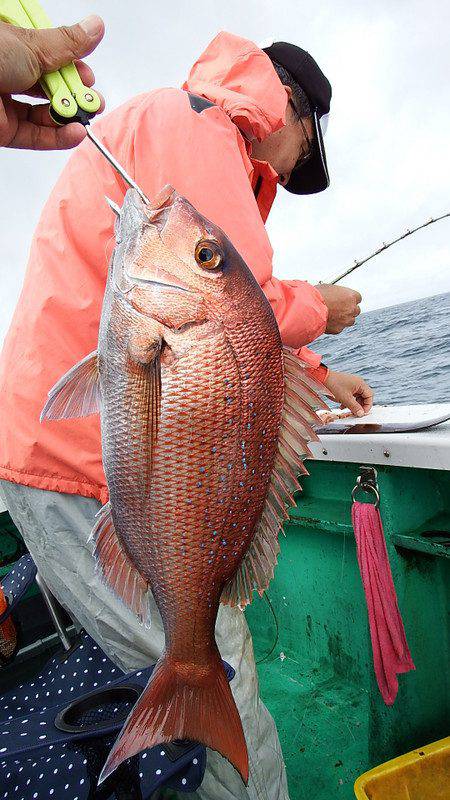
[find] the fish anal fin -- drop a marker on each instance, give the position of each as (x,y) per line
(77,393)
(116,569)
(183,704)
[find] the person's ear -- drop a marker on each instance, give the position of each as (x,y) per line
(288,92)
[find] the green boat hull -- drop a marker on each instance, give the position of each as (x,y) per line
(319,682)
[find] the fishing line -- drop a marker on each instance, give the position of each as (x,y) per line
(385,246)
(260,660)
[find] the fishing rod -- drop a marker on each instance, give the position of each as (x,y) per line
(384,247)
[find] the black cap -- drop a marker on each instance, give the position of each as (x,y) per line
(312,176)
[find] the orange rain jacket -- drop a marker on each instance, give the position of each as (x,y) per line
(159,138)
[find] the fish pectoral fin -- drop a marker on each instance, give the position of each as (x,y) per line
(116,568)
(77,393)
(296,432)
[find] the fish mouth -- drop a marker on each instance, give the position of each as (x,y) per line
(154,281)
(157,216)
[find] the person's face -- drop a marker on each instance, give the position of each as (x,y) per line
(284,148)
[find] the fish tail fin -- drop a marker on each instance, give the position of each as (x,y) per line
(182,702)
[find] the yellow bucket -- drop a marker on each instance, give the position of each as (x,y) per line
(422,774)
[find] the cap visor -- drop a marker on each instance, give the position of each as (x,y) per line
(313,176)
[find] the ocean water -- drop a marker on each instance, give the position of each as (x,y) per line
(402,351)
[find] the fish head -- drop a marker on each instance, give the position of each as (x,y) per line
(174,265)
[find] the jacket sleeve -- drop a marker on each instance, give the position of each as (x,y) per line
(299,308)
(203,156)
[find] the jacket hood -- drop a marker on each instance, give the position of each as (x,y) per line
(236,75)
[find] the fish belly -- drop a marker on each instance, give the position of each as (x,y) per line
(199,506)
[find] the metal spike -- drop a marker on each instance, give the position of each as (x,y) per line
(118,167)
(113,206)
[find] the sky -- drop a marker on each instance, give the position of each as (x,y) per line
(387,141)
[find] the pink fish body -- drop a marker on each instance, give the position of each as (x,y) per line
(205,422)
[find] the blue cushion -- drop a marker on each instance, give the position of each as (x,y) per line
(16,583)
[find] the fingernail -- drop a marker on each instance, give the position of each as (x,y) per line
(92,25)
(360,413)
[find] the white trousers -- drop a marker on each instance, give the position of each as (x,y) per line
(56,527)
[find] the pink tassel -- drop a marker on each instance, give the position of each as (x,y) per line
(390,649)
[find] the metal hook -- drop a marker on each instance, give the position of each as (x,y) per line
(367,482)
(367,489)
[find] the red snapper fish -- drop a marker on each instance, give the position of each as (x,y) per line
(205,422)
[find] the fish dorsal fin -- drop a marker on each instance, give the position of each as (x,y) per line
(113,206)
(77,393)
(116,568)
(301,399)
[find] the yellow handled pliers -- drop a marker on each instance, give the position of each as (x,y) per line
(70,100)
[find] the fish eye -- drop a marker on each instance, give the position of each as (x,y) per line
(208,254)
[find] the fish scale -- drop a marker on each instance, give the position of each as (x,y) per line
(205,421)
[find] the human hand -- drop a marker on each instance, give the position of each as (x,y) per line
(350,391)
(25,55)
(343,306)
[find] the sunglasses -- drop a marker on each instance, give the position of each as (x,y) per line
(304,155)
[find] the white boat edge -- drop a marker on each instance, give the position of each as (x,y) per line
(425,449)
